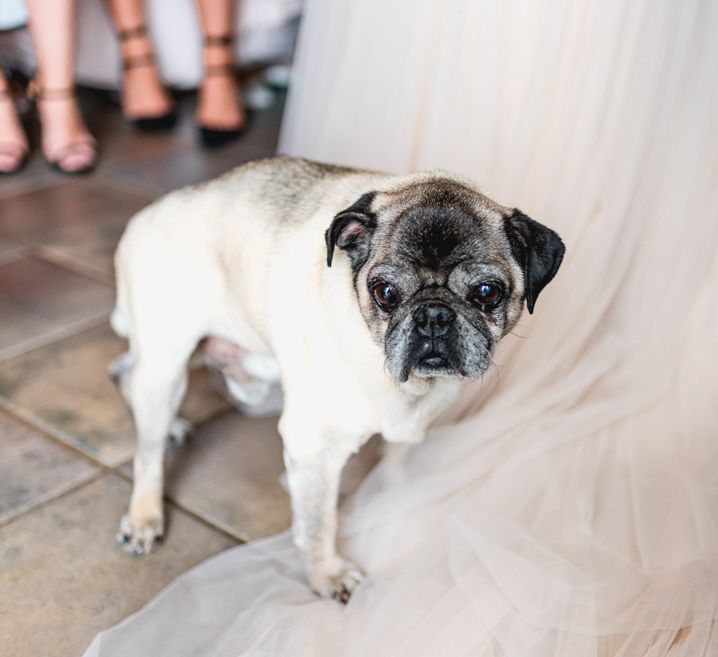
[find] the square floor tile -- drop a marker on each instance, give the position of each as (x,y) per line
(93,256)
(122,144)
(79,220)
(64,387)
(184,168)
(65,212)
(33,468)
(40,301)
(35,175)
(63,577)
(185,162)
(229,473)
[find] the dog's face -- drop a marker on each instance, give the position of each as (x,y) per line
(441,273)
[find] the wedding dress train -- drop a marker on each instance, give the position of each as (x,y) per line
(568,505)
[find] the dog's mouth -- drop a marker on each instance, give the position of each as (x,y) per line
(429,358)
(435,361)
(433,365)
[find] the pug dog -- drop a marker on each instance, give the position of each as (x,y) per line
(371,297)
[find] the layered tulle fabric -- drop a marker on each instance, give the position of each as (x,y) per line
(568,505)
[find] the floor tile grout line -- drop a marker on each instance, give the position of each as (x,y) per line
(21,253)
(68,331)
(169,500)
(29,186)
(48,431)
(42,251)
(149,192)
(55,257)
(36,251)
(39,424)
(118,183)
(102,468)
(195,425)
(101,472)
(53,254)
(218,524)
(67,441)
(51,497)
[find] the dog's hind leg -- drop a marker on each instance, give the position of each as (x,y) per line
(120,371)
(155,390)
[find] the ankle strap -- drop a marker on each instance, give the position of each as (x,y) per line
(217,70)
(138,60)
(133,33)
(36,92)
(219,40)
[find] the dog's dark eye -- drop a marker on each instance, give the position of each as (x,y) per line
(487,294)
(386,296)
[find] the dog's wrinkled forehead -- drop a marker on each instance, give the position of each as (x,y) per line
(437,223)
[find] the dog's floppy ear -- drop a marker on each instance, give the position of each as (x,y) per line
(351,230)
(538,250)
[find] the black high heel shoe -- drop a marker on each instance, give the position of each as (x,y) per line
(215,136)
(156,123)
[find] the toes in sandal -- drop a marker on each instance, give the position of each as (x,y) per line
(75,148)
(14,150)
(17,151)
(79,147)
(213,136)
(163,122)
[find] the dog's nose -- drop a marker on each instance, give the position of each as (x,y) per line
(433,321)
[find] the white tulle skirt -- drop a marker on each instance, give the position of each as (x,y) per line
(568,505)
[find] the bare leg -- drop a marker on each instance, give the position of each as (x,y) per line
(13,142)
(220,104)
(65,137)
(143,94)
(120,371)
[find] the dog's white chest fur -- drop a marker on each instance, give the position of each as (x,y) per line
(409,420)
(400,414)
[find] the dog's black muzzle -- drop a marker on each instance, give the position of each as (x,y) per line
(433,350)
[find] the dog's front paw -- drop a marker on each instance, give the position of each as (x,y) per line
(336,580)
(140,535)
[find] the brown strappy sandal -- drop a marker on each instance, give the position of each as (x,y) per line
(159,122)
(20,152)
(40,94)
(215,136)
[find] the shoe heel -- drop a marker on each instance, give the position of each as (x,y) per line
(212,138)
(162,123)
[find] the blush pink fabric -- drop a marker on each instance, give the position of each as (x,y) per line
(568,505)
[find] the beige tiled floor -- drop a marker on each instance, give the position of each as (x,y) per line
(40,301)
(66,436)
(64,388)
